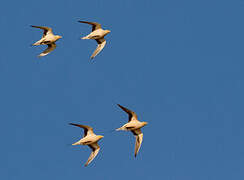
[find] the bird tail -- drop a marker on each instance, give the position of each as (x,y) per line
(37,43)
(76,143)
(120,129)
(85,37)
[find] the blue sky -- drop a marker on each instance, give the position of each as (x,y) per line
(177,64)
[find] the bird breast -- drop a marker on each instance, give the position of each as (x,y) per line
(89,139)
(99,33)
(51,38)
(134,125)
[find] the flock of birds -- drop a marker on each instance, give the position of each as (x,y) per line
(49,39)
(90,138)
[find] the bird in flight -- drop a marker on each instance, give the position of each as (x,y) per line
(48,38)
(97,34)
(133,125)
(90,139)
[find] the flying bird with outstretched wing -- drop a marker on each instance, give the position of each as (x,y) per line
(90,139)
(133,125)
(97,34)
(48,38)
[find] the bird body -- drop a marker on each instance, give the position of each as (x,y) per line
(90,139)
(48,38)
(134,125)
(97,34)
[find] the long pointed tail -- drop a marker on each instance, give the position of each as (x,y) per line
(121,129)
(37,43)
(85,37)
(76,143)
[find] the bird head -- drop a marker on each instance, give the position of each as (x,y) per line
(58,37)
(100,137)
(144,123)
(107,31)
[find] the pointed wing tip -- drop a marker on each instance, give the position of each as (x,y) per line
(41,55)
(34,26)
(121,107)
(82,21)
(136,154)
(72,124)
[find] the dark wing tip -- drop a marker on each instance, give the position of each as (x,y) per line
(123,108)
(82,21)
(73,124)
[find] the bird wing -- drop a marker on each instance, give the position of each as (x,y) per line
(132,115)
(139,137)
(46,30)
(100,45)
(50,48)
(95,149)
(95,25)
(87,129)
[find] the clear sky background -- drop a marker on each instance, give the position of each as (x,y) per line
(177,64)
